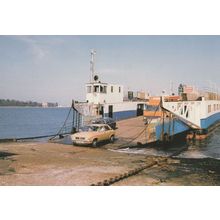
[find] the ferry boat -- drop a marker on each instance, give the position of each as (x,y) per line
(192,114)
(108,100)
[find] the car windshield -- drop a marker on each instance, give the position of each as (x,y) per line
(90,128)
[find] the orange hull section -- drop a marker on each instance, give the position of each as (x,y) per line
(152,114)
(154,102)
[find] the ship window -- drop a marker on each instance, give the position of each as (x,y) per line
(209,108)
(96,88)
(119,89)
(181,111)
(102,89)
(89,89)
(185,108)
(111,88)
(105,89)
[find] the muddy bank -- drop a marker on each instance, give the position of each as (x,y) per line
(179,172)
(34,163)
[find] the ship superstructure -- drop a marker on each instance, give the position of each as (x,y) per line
(198,114)
(107,99)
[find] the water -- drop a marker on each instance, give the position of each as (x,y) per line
(18,122)
(208,148)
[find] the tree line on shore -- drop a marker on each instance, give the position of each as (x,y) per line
(12,102)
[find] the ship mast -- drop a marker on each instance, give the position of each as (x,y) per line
(92,65)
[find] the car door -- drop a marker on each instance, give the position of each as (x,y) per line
(108,132)
(102,133)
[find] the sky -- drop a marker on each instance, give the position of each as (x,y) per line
(56,68)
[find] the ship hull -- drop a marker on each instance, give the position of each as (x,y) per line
(210,121)
(178,129)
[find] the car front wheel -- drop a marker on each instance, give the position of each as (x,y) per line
(94,143)
(112,138)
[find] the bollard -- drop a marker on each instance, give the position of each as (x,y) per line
(117,178)
(106,183)
(111,180)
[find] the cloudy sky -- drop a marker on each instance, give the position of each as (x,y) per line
(55,68)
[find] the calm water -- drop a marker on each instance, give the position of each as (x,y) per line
(29,122)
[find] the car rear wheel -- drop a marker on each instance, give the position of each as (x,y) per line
(94,143)
(112,138)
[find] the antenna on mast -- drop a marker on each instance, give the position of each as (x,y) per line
(171,87)
(92,65)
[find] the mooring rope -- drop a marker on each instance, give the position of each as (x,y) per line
(59,132)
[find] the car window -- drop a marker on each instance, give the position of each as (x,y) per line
(95,128)
(102,128)
(89,128)
(107,128)
(86,128)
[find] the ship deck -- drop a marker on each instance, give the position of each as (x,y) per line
(129,132)
(132,133)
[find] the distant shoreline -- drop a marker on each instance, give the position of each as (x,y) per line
(33,107)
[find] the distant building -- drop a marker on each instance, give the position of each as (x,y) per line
(44,104)
(143,95)
(180,89)
(49,104)
(188,92)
